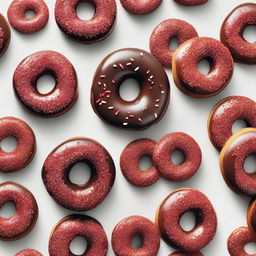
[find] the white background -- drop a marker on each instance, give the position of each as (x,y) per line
(184,114)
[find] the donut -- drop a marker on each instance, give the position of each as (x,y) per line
(232,33)
(232,157)
(61,98)
(224,115)
(192,156)
(26,144)
(162,35)
(151,103)
(251,216)
(171,210)
(140,7)
(131,227)
(5,35)
(73,226)
(189,79)
(186,254)
(19,21)
(29,252)
(191,2)
(238,239)
(57,166)
(25,217)
(86,31)
(129,163)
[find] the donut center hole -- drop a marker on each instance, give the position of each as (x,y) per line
(8,144)
(249,34)
(30,14)
(188,221)
(238,125)
(136,242)
(173,44)
(129,90)
(78,245)
(250,164)
(145,163)
(204,66)
(45,84)
(177,157)
(250,248)
(85,10)
(7,210)
(80,174)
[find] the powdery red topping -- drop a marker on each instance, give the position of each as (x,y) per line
(29,252)
(1,37)
(65,92)
(171,210)
(225,113)
(190,149)
(162,35)
(129,163)
(56,168)
(86,31)
(238,239)
(191,2)
(25,217)
(26,144)
(18,20)
(140,7)
(5,35)
(186,254)
(133,226)
(78,225)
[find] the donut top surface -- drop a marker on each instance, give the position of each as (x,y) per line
(5,35)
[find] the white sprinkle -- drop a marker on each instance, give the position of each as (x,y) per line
(136,69)
(102,76)
(114,66)
(128,64)
(127,118)
(140,119)
(111,107)
(141,54)
(156,105)
(103,102)
(148,72)
(132,59)
(151,77)
(125,124)
(99,83)
(152,82)
(108,96)
(155,115)
(162,92)
(157,100)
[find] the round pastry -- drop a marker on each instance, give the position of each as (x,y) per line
(225,113)
(140,7)
(190,149)
(5,35)
(73,226)
(237,241)
(62,97)
(29,252)
(129,163)
(131,227)
(86,31)
(232,33)
(162,35)
(57,166)
(232,157)
(251,216)
(25,217)
(26,144)
(151,103)
(186,254)
(19,21)
(171,210)
(191,2)
(186,74)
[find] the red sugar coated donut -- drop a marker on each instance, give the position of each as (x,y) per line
(19,21)
(225,113)
(25,217)
(78,225)
(192,156)
(26,144)
(186,254)
(29,252)
(5,35)
(171,210)
(238,239)
(129,163)
(61,98)
(232,33)
(162,35)
(140,7)
(232,157)
(191,2)
(189,79)
(86,31)
(130,227)
(251,217)
(57,166)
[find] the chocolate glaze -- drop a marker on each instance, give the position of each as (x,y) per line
(251,216)
(152,102)
(5,35)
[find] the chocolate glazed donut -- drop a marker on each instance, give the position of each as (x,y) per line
(148,107)
(5,35)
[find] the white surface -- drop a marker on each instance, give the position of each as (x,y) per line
(184,114)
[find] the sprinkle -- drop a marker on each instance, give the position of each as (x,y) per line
(126,117)
(148,72)
(98,100)
(103,102)
(136,69)
(99,83)
(117,112)
(125,124)
(128,64)
(140,119)
(149,80)
(132,59)
(162,92)
(113,81)
(107,91)
(102,76)
(150,88)
(157,100)
(108,96)
(160,86)
(151,77)
(114,66)
(111,107)
(155,115)
(141,54)
(121,66)
(156,105)
(152,82)
(131,116)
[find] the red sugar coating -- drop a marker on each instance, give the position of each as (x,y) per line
(78,225)
(29,252)
(189,79)
(86,31)
(232,32)
(26,144)
(192,156)
(129,163)
(18,20)
(191,2)
(171,210)
(57,166)
(238,239)
(225,113)
(140,7)
(133,226)
(65,92)
(186,254)
(25,217)
(162,35)
(5,35)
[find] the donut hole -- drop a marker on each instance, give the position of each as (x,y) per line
(29,14)
(177,157)
(78,245)
(250,248)
(249,33)
(145,163)
(204,65)
(129,89)
(188,221)
(46,83)
(7,210)
(85,10)
(238,125)
(173,44)
(250,164)
(80,174)
(8,144)
(136,242)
